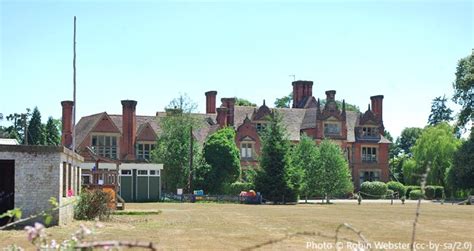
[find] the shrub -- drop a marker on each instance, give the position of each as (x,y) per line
(237,187)
(373,190)
(410,188)
(397,187)
(92,204)
(390,194)
(430,192)
(416,194)
(439,192)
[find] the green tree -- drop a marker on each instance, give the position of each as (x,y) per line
(461,173)
(222,155)
(408,138)
(464,89)
(18,120)
(334,177)
(244,102)
(436,146)
(306,159)
(174,143)
(273,179)
(439,111)
(53,132)
(284,102)
(411,175)
(36,135)
(396,167)
(393,149)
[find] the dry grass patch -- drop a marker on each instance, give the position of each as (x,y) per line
(224,226)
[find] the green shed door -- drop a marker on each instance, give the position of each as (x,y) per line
(142,188)
(154,188)
(126,186)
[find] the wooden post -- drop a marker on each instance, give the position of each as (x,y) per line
(190,178)
(74,90)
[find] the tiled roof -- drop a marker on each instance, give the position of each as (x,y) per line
(309,120)
(240,112)
(294,120)
(352,119)
(291,118)
(87,123)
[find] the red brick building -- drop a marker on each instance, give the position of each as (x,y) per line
(360,135)
(130,137)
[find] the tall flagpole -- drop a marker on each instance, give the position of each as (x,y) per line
(74,91)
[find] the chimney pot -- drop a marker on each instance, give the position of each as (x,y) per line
(211,101)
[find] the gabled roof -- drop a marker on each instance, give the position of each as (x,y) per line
(292,118)
(352,119)
(85,125)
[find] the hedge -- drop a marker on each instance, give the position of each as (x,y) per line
(410,188)
(430,192)
(373,190)
(397,187)
(439,192)
(416,194)
(390,194)
(237,187)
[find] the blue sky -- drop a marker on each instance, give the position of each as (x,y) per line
(151,51)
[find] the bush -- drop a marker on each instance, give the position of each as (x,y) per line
(416,194)
(373,190)
(439,192)
(430,192)
(390,194)
(237,187)
(410,188)
(92,205)
(397,187)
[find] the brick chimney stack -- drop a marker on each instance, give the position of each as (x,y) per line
(222,116)
(211,101)
(66,130)
(129,129)
(302,90)
(377,102)
(229,103)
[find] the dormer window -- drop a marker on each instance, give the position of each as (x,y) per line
(144,150)
(261,127)
(105,145)
(369,131)
(332,129)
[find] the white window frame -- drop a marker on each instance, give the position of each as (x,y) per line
(369,131)
(246,150)
(108,151)
(141,154)
(157,172)
(338,124)
(122,174)
(142,170)
(371,159)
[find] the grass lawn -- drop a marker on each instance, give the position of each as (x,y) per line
(234,226)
